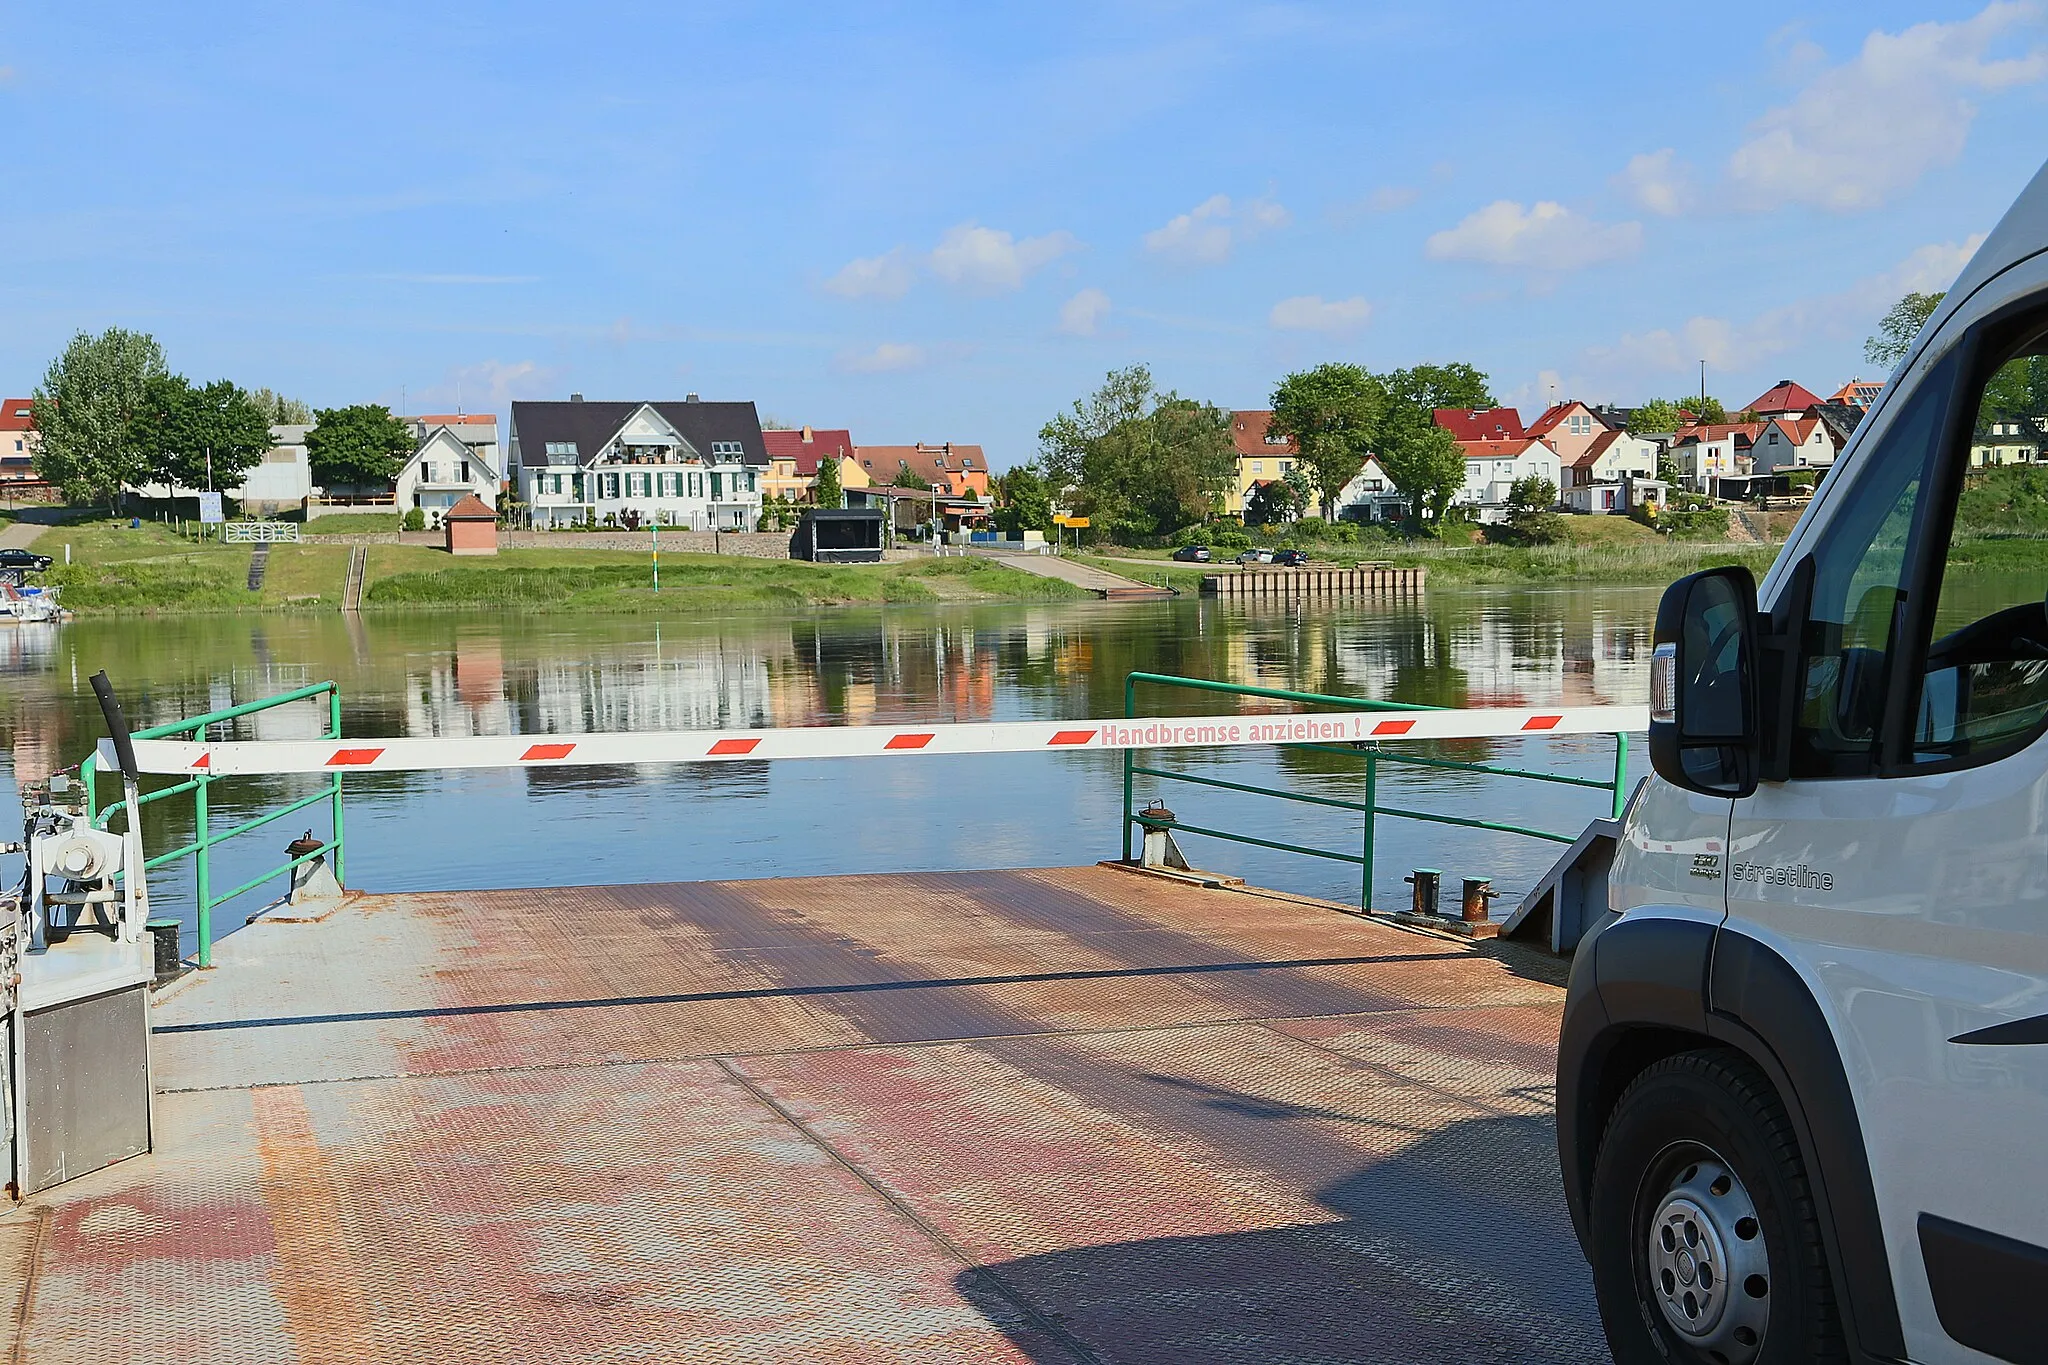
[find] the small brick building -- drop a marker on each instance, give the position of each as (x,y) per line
(471,527)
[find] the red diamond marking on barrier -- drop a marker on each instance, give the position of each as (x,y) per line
(1072,737)
(735,746)
(907,741)
(544,751)
(354,758)
(1542,722)
(1393,727)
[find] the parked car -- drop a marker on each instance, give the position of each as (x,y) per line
(1256,557)
(1293,559)
(1802,1078)
(1192,554)
(24,559)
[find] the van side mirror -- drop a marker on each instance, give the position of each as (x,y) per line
(1703,712)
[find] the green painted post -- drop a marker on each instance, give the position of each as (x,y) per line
(1372,805)
(203,882)
(1620,771)
(334,732)
(1130,705)
(655,531)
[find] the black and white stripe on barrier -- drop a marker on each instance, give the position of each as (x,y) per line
(1256,729)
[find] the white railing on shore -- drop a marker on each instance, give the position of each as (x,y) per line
(261,533)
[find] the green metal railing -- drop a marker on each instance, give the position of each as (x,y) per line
(1373,756)
(205,839)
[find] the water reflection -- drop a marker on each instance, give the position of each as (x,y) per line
(433,675)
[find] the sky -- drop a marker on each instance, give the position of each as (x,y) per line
(933,222)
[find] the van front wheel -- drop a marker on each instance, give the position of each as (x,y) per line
(1705,1245)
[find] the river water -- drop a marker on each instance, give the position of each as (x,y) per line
(477,675)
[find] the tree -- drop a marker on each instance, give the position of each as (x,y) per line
(1023,502)
(358,445)
(1425,461)
(1531,493)
(83,410)
(1669,414)
(1895,331)
(1277,502)
(1332,413)
(198,437)
(1136,461)
(827,491)
(906,477)
(279,410)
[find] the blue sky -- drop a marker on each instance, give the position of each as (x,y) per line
(933,222)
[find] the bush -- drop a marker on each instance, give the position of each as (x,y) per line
(415,520)
(1224,536)
(1311,529)
(1192,535)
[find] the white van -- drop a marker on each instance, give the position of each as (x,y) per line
(1803,1073)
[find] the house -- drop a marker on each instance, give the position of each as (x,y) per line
(1263,455)
(1709,452)
(1840,421)
(1782,399)
(1857,393)
(793,458)
(1480,424)
(690,464)
(1493,467)
(2012,441)
(17,439)
(282,478)
(1611,457)
(455,456)
(956,470)
(1370,496)
(1791,443)
(1567,428)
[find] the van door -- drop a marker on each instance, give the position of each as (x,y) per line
(1901,865)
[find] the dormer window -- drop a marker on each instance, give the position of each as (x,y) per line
(731,450)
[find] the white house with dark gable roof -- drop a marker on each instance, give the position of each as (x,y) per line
(692,464)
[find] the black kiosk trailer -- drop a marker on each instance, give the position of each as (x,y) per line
(839,535)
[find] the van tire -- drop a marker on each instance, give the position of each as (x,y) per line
(1679,1115)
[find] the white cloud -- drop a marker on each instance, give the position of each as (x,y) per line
(887,276)
(885,358)
(1871,127)
(488,386)
(1546,237)
(1206,233)
(1312,313)
(1728,345)
(987,260)
(1083,314)
(1657,182)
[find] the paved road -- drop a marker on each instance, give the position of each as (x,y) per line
(1082,575)
(19,535)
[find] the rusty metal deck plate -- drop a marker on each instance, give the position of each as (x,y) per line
(1052,1116)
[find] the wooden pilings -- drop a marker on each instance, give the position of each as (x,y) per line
(1367,580)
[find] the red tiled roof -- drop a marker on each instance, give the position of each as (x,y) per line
(16,415)
(1480,450)
(457,419)
(1783,396)
(925,460)
(471,508)
(1715,431)
(792,445)
(1555,414)
(1248,434)
(1481,424)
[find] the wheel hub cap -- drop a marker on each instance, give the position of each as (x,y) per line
(1709,1268)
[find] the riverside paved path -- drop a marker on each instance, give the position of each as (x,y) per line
(1064,1115)
(1082,575)
(19,535)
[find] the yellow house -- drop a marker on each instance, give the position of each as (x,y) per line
(1262,456)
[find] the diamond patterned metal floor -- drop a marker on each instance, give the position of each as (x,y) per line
(1051,1116)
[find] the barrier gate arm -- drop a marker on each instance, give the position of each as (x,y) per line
(1252,729)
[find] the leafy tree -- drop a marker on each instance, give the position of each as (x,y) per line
(1895,331)
(1707,409)
(358,445)
(1332,413)
(827,492)
(2017,393)
(1277,502)
(1425,461)
(1023,501)
(1456,385)
(1669,414)
(83,410)
(198,437)
(1531,493)
(279,410)
(1136,461)
(906,477)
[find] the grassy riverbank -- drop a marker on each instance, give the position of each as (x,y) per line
(118,571)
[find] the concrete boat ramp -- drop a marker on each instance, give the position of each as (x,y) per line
(1051,1116)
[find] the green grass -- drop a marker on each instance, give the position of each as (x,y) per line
(1648,560)
(357,524)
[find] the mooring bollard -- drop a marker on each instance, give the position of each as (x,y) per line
(1426,881)
(1478,891)
(1156,820)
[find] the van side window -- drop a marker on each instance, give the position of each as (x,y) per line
(1859,581)
(1985,686)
